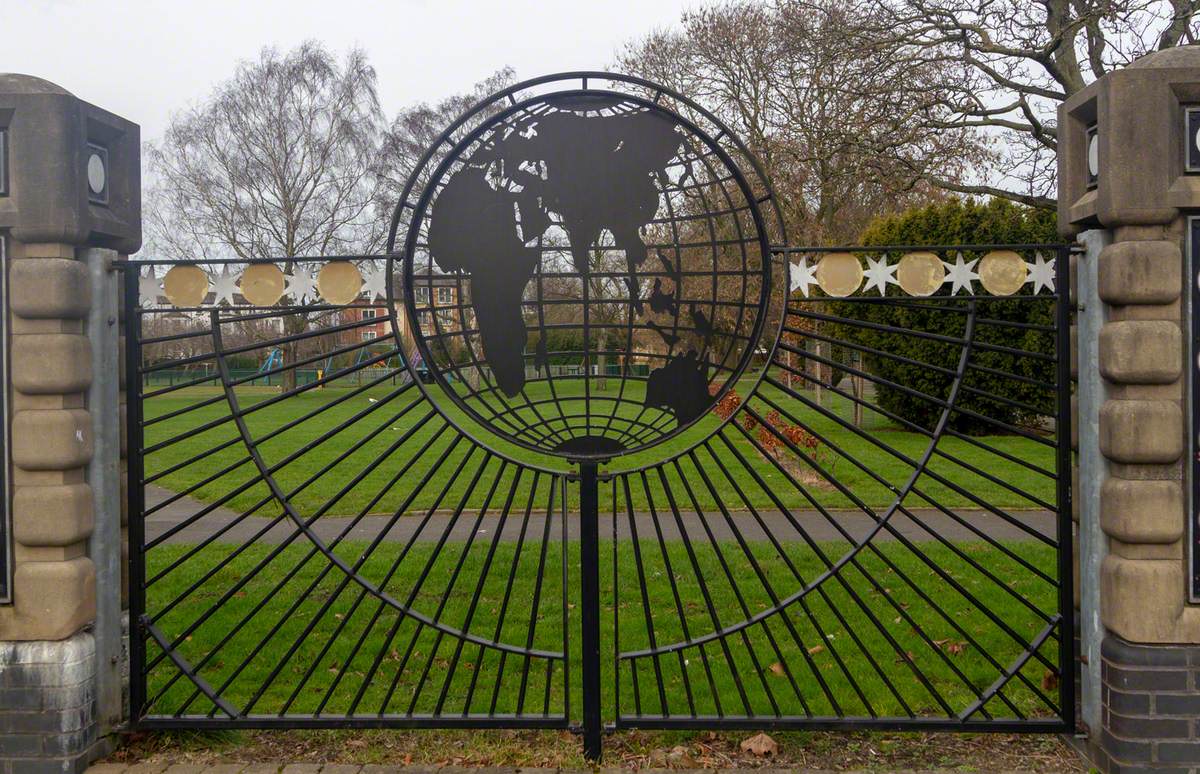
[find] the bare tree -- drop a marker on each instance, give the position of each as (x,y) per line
(277,162)
(788,78)
(416,129)
(1009,65)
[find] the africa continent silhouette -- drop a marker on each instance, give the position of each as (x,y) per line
(588,164)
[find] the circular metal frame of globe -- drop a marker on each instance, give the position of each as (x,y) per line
(586,272)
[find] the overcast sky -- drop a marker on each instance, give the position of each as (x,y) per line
(143,59)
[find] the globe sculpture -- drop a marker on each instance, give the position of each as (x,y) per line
(585,273)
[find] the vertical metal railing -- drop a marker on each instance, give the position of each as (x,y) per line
(589,590)
(135,476)
(1066,525)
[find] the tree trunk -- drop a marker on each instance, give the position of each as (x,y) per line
(293,324)
(602,369)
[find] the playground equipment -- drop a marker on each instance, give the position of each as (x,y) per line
(274,360)
(369,357)
(419,367)
(392,362)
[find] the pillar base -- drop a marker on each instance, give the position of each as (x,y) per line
(1151,708)
(47,706)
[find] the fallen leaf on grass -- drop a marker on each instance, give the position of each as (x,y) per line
(760,745)
(777,668)
(1049,681)
(815,649)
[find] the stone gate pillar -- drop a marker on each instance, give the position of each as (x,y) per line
(70,200)
(1129,173)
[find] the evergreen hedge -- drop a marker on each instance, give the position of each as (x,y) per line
(950,223)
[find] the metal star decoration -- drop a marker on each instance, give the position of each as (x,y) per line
(374,280)
(149,288)
(224,286)
(1041,273)
(802,276)
(961,275)
(878,274)
(301,284)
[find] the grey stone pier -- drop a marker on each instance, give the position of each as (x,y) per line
(70,199)
(1129,173)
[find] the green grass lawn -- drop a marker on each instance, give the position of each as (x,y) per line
(364,436)
(286,633)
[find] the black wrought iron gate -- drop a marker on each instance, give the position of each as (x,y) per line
(542,467)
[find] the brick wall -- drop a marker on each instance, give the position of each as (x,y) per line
(1151,697)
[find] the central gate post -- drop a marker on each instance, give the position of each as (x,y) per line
(589,589)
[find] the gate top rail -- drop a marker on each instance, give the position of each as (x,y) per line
(884,248)
(778,249)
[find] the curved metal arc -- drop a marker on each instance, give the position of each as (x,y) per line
(764,306)
(658,91)
(940,538)
(856,547)
(580,75)
(426,196)
(305,526)
(754,387)
(1014,670)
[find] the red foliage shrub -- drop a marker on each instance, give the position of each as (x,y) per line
(769,433)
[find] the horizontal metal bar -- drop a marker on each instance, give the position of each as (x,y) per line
(260,312)
(139,262)
(856,323)
(865,299)
(203,722)
(847,723)
(926,248)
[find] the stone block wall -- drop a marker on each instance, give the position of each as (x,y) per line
(47,658)
(54,593)
(1143,435)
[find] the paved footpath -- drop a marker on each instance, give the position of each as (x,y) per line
(927,524)
(342,768)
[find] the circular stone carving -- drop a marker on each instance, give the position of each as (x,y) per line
(920,274)
(1093,156)
(339,282)
(839,274)
(262,284)
(600,314)
(185,285)
(1002,272)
